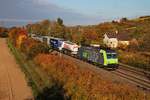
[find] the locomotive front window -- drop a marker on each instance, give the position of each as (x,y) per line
(114,55)
(111,55)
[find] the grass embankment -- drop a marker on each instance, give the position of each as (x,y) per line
(41,85)
(85,84)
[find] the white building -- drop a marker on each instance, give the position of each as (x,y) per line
(110,40)
(114,40)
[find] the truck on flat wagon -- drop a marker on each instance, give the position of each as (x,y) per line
(70,48)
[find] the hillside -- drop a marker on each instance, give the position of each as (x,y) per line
(136,28)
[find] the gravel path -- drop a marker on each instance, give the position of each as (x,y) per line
(13,85)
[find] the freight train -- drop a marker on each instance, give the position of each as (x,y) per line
(96,55)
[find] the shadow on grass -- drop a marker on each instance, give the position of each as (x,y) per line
(55,92)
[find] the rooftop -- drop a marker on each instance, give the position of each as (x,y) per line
(119,36)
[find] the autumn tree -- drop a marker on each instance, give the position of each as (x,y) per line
(89,36)
(13,34)
(124,19)
(41,28)
(2,29)
(3,32)
(145,45)
(45,27)
(60,21)
(77,38)
(20,37)
(58,29)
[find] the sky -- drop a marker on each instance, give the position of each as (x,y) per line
(73,12)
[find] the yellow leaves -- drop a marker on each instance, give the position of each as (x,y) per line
(17,35)
(20,40)
(134,59)
(83,83)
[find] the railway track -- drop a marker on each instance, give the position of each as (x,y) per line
(137,77)
(133,75)
(135,70)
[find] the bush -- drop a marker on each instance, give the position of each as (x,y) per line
(55,92)
(134,59)
(17,35)
(13,35)
(3,35)
(36,49)
(83,83)
(32,48)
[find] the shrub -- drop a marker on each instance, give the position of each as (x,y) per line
(17,35)
(134,59)
(55,92)
(3,35)
(13,35)
(32,48)
(83,83)
(36,49)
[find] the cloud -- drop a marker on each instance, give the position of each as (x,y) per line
(31,10)
(40,2)
(17,20)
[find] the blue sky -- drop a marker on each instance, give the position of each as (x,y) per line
(112,8)
(73,12)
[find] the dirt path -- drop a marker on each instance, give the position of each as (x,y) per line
(13,85)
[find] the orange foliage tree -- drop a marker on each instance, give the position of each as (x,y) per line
(89,36)
(17,35)
(83,83)
(13,34)
(31,47)
(21,35)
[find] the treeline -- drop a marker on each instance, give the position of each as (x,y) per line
(79,34)
(138,29)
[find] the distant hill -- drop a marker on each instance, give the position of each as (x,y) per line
(138,28)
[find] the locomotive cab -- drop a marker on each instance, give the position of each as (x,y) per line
(110,58)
